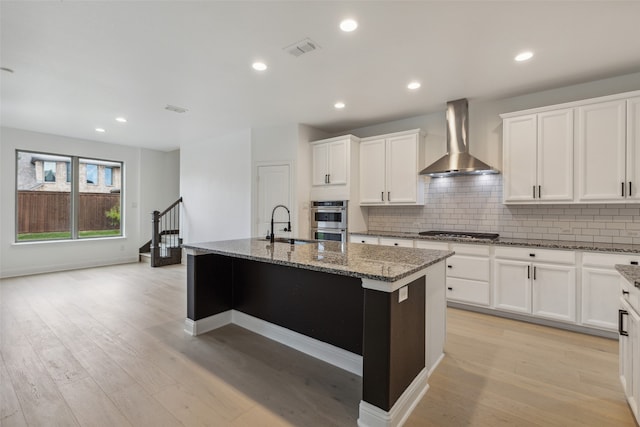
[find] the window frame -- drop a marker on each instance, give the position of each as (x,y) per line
(73,178)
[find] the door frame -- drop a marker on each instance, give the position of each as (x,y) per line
(254,198)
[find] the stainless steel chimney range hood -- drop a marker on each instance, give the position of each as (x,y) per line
(457,161)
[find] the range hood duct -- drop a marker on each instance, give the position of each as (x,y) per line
(457,161)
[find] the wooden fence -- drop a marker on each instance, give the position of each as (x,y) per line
(49,211)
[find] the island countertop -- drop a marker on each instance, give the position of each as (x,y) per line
(383,263)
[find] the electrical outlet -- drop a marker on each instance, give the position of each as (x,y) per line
(403,294)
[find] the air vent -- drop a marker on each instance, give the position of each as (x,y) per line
(175,109)
(300,48)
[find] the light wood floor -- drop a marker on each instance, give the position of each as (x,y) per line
(105,347)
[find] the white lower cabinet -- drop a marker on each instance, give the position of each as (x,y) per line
(391,241)
(629,353)
(600,288)
(468,274)
(541,288)
(363,238)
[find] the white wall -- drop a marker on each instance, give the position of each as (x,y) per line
(37,257)
(160,184)
(215,184)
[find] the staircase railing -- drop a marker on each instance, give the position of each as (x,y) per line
(166,240)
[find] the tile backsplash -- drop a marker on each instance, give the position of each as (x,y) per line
(474,203)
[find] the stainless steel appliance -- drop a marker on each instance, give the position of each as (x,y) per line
(329,220)
(460,234)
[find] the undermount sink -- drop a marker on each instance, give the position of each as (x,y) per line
(291,241)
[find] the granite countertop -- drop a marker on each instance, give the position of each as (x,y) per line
(629,272)
(383,263)
(501,241)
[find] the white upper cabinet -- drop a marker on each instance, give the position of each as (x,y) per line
(601,144)
(538,157)
(633,148)
(389,169)
(330,161)
(580,152)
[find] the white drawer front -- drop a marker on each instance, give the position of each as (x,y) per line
(633,295)
(479,250)
(427,244)
(405,243)
(609,260)
(536,255)
(466,267)
(358,238)
(468,291)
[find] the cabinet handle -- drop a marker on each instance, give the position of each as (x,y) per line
(532,255)
(388,196)
(328,178)
(534,191)
(395,244)
(539,191)
(450,288)
(636,284)
(382,196)
(534,273)
(622,189)
(629,188)
(449,266)
(362,241)
(633,262)
(625,292)
(621,331)
(528,272)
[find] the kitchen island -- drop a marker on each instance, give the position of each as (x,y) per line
(375,311)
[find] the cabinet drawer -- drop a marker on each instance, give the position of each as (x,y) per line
(468,291)
(426,244)
(479,250)
(359,238)
(609,260)
(466,267)
(633,294)
(405,243)
(536,255)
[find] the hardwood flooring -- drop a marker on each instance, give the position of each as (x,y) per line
(106,347)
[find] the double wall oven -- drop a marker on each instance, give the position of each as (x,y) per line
(329,220)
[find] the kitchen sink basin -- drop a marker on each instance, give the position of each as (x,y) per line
(291,241)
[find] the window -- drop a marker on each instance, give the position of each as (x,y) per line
(92,174)
(46,209)
(108,176)
(49,169)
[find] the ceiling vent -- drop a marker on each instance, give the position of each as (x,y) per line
(303,46)
(175,109)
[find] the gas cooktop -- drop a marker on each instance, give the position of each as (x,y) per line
(460,234)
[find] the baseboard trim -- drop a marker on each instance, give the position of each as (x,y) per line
(372,416)
(331,354)
(435,365)
(202,326)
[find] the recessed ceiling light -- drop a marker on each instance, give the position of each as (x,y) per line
(414,85)
(121,120)
(339,105)
(101,130)
(348,25)
(523,56)
(259,66)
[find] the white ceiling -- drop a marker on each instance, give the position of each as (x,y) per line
(78,65)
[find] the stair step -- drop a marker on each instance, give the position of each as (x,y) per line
(144,257)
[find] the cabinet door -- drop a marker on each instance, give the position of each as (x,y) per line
(554,292)
(372,172)
(512,286)
(633,148)
(338,161)
(319,165)
(601,145)
(600,298)
(402,169)
(519,158)
(629,353)
(555,155)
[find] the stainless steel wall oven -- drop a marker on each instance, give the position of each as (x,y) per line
(329,220)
